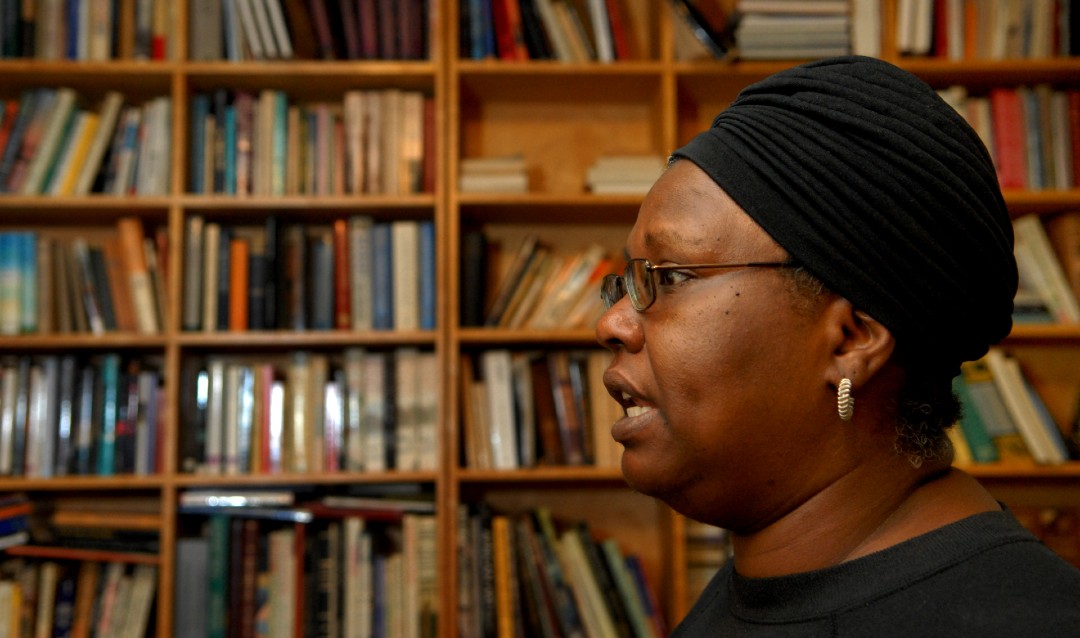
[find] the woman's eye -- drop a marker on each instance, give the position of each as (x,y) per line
(671,277)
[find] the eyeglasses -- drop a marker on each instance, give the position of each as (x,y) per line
(641,280)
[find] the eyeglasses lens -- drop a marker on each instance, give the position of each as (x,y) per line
(612,289)
(639,283)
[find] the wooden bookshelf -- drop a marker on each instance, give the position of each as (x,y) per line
(560,117)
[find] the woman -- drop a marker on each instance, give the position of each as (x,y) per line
(803,283)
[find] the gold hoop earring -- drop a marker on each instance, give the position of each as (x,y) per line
(845,403)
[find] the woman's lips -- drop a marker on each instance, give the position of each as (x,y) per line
(636,419)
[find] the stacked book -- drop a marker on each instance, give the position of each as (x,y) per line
(503,174)
(540,288)
(1032,132)
(1004,417)
(53,144)
(1043,279)
(523,409)
(309,412)
(65,285)
(14,520)
(623,174)
(66,415)
(529,570)
(377,141)
(793,29)
(600,30)
(239,30)
(339,566)
(353,274)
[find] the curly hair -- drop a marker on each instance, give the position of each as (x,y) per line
(926,404)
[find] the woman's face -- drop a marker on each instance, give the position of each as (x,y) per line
(724,377)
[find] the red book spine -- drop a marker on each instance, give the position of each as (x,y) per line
(428,164)
(620,34)
(1006,115)
(342,302)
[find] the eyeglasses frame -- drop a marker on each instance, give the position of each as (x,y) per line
(611,280)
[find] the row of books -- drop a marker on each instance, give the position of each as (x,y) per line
(237,30)
(53,145)
(372,142)
(564,30)
(528,408)
(69,415)
(1032,132)
(338,572)
(354,274)
(1047,261)
(76,598)
(988,29)
(540,289)
(90,30)
(528,574)
(1004,417)
(788,30)
(310,412)
(110,283)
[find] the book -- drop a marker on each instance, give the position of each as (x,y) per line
(496,367)
(981,446)
(1045,447)
(1049,277)
(405,274)
(1010,145)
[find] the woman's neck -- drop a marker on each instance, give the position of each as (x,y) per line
(847,521)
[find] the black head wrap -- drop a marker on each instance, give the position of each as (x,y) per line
(878,187)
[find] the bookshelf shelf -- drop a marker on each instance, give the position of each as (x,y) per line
(500,337)
(555,477)
(1022,202)
(312,78)
(1062,334)
(420,203)
(67,553)
(1023,471)
(567,70)
(114,340)
(126,482)
(263,339)
(304,479)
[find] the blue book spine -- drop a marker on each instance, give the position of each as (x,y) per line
(427,275)
(200,107)
(9,283)
(487,26)
(382,282)
(230,150)
(14,524)
(378,596)
(230,28)
(28,282)
(110,404)
(73,29)
(476,29)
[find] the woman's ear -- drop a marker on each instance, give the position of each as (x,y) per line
(862,345)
